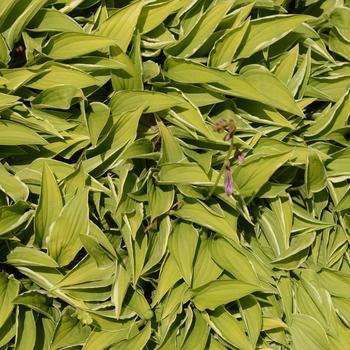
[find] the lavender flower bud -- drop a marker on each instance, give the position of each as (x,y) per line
(240,158)
(228,183)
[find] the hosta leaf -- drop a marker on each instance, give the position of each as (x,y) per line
(16,134)
(153,14)
(103,339)
(183,173)
(18,18)
(331,119)
(24,256)
(232,260)
(315,173)
(298,243)
(270,87)
(70,331)
(344,203)
(60,97)
(138,303)
(199,34)
(252,317)
(120,286)
(86,274)
(225,48)
(26,330)
(265,31)
(137,342)
(8,330)
(7,101)
(171,149)
(255,172)
(72,222)
(152,101)
(53,74)
(158,244)
(160,199)
(194,211)
(339,45)
(186,71)
(9,288)
(335,282)
(184,255)
(47,20)
(12,185)
(39,302)
(307,332)
(221,292)
(198,335)
(121,25)
(228,328)
(169,275)
(286,66)
(11,217)
(120,121)
(49,207)
(69,45)
(205,269)
(173,301)
(97,118)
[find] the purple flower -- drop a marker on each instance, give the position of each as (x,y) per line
(228,181)
(239,155)
(240,158)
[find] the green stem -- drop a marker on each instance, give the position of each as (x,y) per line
(226,161)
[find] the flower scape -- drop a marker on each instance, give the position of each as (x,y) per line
(174,174)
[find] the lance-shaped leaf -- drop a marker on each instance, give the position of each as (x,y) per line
(12,185)
(39,301)
(160,199)
(197,212)
(69,45)
(120,286)
(25,256)
(269,86)
(221,292)
(184,253)
(308,333)
(12,217)
(232,260)
(121,25)
(205,269)
(9,288)
(16,134)
(158,244)
(250,176)
(228,327)
(70,331)
(19,16)
(63,242)
(47,20)
(49,207)
(198,334)
(26,329)
(136,342)
(171,151)
(252,316)
(225,48)
(315,173)
(206,24)
(265,31)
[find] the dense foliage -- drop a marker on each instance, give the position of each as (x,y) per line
(174,174)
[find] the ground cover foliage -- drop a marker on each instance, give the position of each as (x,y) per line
(121,126)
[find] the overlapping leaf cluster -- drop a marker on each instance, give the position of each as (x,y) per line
(109,238)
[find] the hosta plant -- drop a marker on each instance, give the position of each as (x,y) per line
(174,174)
